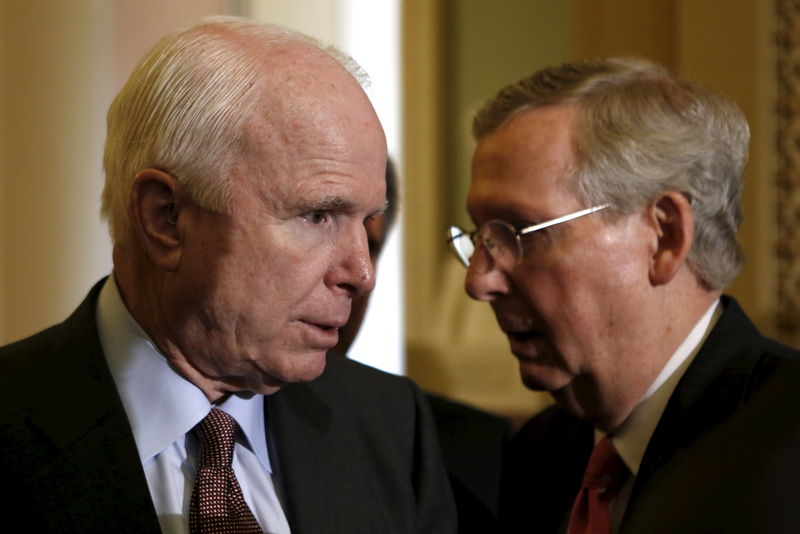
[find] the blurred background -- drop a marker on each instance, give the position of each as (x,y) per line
(433,62)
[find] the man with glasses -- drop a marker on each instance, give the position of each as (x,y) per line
(606,200)
(191,391)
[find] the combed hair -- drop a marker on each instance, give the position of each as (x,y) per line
(640,132)
(184,111)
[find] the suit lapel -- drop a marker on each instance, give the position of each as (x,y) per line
(96,453)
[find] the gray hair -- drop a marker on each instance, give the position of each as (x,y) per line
(640,132)
(184,111)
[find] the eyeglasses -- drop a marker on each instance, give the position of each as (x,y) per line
(501,239)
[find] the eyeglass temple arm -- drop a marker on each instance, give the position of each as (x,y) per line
(559,220)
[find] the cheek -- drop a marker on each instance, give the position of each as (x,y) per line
(298,279)
(582,293)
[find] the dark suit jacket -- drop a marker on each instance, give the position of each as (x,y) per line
(472,444)
(355,451)
(548,456)
(740,478)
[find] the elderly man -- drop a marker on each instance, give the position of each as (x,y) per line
(606,199)
(241,164)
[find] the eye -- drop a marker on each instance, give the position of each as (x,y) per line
(315,217)
(536,240)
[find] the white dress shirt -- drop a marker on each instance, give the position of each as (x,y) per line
(632,438)
(163,407)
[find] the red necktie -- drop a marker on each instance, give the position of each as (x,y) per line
(604,475)
(217,503)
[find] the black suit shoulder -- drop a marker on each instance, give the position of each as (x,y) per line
(65,442)
(379,403)
(359,435)
(356,379)
(740,477)
(473,442)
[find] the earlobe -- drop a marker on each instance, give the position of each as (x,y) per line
(155,209)
(673,221)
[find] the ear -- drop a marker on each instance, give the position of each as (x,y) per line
(673,221)
(155,211)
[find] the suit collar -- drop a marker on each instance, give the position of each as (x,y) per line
(75,372)
(632,438)
(715,384)
(80,412)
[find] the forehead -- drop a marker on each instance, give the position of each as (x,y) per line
(314,129)
(525,168)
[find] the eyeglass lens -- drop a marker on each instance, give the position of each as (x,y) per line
(501,241)
(498,237)
(462,244)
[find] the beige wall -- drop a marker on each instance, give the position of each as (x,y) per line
(50,165)
(61,64)
(2,171)
(462,53)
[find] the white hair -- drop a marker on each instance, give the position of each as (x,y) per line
(184,111)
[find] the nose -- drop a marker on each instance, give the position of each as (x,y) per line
(354,271)
(485,282)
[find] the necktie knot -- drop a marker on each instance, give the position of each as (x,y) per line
(604,475)
(605,469)
(216,434)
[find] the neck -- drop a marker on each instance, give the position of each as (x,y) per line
(651,328)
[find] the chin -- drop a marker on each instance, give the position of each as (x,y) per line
(538,377)
(291,368)
(303,367)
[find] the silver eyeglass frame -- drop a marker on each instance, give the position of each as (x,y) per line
(455,233)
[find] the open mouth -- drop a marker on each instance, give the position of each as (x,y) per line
(528,335)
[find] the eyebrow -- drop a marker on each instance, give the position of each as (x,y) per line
(331,203)
(508,210)
(337,203)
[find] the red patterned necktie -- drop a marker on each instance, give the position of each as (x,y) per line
(605,474)
(217,502)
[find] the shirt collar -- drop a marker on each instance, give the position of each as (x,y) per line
(161,405)
(632,438)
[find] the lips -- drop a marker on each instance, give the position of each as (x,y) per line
(525,342)
(325,326)
(324,333)
(521,330)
